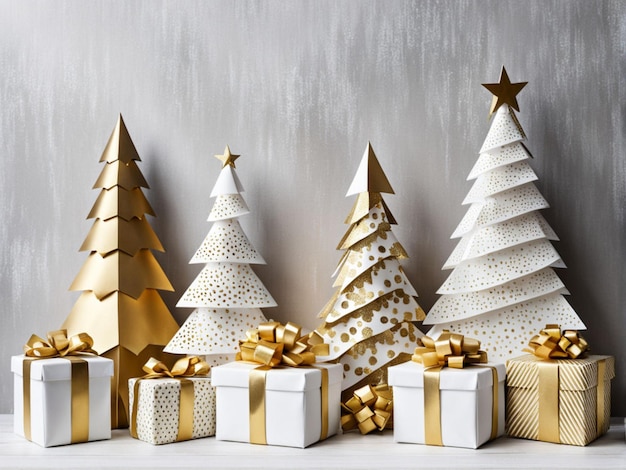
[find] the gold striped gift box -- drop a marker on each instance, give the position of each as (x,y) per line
(566,401)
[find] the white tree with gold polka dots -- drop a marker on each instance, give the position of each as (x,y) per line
(503,288)
(368,321)
(227,296)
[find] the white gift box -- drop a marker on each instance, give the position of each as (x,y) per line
(466,398)
(158,409)
(51,399)
(293,410)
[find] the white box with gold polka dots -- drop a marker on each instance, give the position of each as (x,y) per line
(160,416)
(291,404)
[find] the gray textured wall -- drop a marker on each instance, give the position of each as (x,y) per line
(298,88)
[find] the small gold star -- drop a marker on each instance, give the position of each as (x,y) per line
(228,158)
(504,92)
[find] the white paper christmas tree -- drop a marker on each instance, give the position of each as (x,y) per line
(227,296)
(367,322)
(503,288)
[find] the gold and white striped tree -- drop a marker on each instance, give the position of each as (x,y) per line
(368,321)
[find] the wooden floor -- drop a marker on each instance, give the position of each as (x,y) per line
(350,450)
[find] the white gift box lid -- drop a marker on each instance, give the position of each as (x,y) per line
(290,379)
(61,369)
(411,374)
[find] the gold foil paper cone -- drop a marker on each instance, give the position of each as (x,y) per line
(120,306)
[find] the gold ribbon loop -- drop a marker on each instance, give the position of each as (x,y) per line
(59,345)
(184,367)
(550,343)
(272,344)
(369,409)
(450,349)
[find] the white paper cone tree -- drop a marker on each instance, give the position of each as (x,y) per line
(503,288)
(368,321)
(227,296)
(120,306)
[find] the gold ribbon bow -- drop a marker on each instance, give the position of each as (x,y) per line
(550,343)
(184,367)
(368,409)
(59,345)
(272,344)
(455,351)
(450,349)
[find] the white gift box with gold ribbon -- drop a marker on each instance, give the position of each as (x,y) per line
(461,412)
(292,408)
(62,401)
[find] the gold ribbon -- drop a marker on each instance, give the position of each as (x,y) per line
(455,351)
(550,343)
(185,367)
(271,345)
(369,408)
(59,345)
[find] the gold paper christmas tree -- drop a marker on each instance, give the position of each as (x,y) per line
(227,296)
(368,321)
(120,306)
(503,289)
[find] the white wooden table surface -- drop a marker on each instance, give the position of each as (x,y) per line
(350,450)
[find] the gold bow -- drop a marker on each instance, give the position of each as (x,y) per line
(368,409)
(550,343)
(272,344)
(450,349)
(184,367)
(59,345)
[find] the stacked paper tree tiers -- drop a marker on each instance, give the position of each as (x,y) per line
(503,287)
(227,295)
(367,322)
(120,306)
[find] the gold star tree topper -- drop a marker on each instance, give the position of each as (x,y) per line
(228,158)
(504,92)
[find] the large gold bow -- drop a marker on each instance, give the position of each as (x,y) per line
(368,409)
(450,349)
(550,343)
(59,345)
(272,344)
(184,367)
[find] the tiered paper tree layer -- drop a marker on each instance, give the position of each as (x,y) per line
(227,295)
(367,322)
(503,288)
(120,306)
